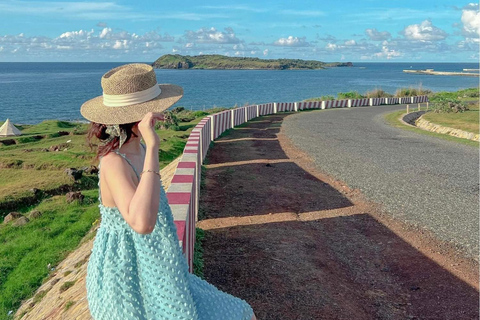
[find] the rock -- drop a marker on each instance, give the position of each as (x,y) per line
(21,221)
(91,170)
(8,142)
(74,173)
(74,195)
(58,147)
(63,133)
(12,216)
(36,192)
(34,214)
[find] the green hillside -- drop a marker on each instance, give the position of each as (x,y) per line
(176,61)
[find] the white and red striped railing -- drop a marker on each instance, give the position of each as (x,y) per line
(183,193)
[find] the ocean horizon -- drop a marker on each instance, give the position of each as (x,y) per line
(32,92)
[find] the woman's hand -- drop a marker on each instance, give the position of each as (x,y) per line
(147,128)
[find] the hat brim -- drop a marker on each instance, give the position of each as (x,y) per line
(95,111)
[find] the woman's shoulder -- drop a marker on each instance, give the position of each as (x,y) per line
(112,162)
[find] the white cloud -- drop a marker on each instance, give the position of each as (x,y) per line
(266,52)
(212,35)
(350,43)
(387,53)
(76,34)
(292,42)
(331,46)
(120,45)
(424,31)
(375,35)
(471,21)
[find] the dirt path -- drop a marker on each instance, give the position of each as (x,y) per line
(297,244)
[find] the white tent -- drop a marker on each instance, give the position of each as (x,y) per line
(8,129)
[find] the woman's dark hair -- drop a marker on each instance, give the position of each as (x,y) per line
(97,131)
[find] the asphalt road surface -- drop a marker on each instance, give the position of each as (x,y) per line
(423,180)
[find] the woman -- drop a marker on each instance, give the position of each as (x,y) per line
(136,269)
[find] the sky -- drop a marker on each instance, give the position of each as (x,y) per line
(142,31)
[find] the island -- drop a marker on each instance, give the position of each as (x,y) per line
(216,61)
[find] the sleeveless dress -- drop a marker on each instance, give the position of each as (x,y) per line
(131,276)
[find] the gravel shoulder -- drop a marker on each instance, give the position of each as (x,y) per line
(428,182)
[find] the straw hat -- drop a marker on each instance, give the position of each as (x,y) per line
(129,92)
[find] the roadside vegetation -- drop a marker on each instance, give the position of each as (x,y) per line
(33,185)
(458,110)
(376,93)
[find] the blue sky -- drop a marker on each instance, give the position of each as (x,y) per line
(126,30)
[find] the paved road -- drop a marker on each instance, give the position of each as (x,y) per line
(427,181)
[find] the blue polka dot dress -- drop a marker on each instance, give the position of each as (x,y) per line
(133,276)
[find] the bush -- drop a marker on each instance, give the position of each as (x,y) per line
(322,98)
(349,95)
(445,105)
(177,110)
(198,114)
(378,93)
(412,92)
(171,122)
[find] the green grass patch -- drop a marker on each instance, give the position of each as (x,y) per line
(69,304)
(27,250)
(466,121)
(393,119)
(66,285)
(198,253)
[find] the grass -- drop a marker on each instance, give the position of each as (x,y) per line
(27,250)
(393,119)
(198,253)
(467,121)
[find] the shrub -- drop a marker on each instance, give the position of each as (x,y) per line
(412,92)
(170,122)
(349,95)
(322,98)
(445,105)
(198,114)
(378,93)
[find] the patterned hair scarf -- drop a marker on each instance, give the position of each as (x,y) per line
(115,131)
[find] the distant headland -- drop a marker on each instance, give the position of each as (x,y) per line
(216,61)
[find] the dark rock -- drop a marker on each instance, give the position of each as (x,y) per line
(36,192)
(91,170)
(74,173)
(12,216)
(414,288)
(59,147)
(63,133)
(8,142)
(34,214)
(74,196)
(268,165)
(21,221)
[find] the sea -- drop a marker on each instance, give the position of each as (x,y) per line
(33,92)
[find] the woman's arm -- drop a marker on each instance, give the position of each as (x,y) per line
(137,204)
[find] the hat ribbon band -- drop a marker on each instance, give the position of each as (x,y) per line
(122,100)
